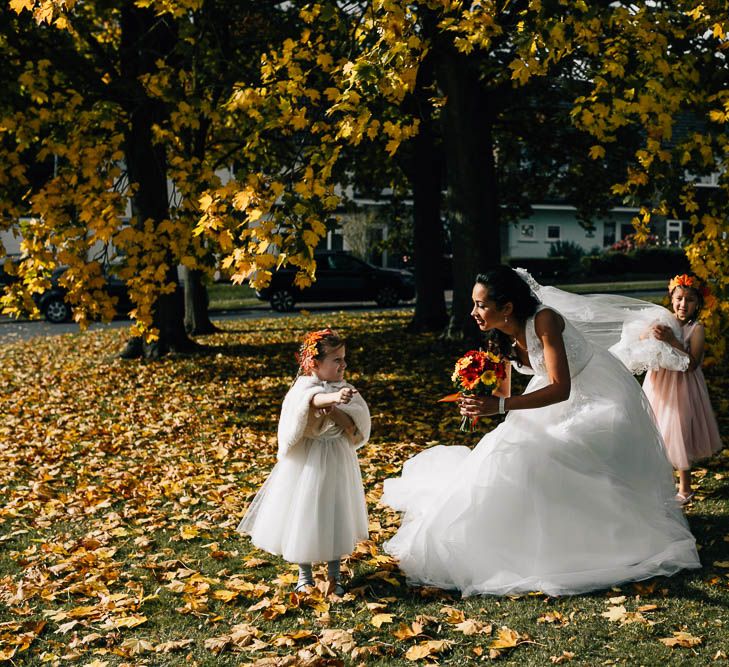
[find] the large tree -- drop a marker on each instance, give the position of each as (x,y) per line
(125,100)
(494,65)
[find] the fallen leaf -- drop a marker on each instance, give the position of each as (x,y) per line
(378,619)
(683,639)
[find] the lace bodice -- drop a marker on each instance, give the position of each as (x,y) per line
(579,351)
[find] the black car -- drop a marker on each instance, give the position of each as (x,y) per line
(340,277)
(52,303)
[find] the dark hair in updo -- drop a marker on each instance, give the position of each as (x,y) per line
(506,286)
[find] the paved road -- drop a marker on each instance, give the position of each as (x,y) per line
(12,330)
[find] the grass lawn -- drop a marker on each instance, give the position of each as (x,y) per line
(226,296)
(123,482)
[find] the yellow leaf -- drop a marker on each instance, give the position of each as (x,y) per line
(425,649)
(597,152)
(683,639)
(614,614)
(378,619)
(19,5)
(225,595)
(505,638)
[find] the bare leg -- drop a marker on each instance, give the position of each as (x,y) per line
(684,482)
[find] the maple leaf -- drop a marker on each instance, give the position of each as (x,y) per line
(378,619)
(681,638)
(427,649)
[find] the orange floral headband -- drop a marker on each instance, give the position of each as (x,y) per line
(685,280)
(309,348)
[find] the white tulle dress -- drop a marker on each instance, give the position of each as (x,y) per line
(312,506)
(563,499)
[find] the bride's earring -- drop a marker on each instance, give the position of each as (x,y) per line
(506,320)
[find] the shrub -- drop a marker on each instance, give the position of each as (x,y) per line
(644,260)
(542,267)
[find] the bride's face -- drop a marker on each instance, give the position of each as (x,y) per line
(485,311)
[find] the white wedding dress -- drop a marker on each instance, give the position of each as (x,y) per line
(563,499)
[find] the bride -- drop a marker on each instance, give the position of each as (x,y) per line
(571,493)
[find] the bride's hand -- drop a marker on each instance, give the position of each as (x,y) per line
(478,406)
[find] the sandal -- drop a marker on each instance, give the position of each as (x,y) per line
(684,500)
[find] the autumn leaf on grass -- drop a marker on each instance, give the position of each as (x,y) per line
(559,659)
(453,615)
(506,639)
(379,619)
(426,649)
(189,532)
(683,639)
(290,638)
(340,640)
(473,627)
(174,645)
(124,622)
(621,615)
(225,595)
(555,617)
(217,644)
(405,631)
(615,614)
(131,647)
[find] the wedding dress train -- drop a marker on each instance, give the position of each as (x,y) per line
(563,499)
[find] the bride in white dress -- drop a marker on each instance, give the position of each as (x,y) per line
(572,492)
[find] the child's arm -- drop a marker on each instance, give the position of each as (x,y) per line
(327,400)
(696,347)
(347,424)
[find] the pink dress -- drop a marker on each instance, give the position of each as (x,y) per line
(680,401)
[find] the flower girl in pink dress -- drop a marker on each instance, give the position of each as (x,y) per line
(680,400)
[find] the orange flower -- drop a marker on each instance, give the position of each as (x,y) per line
(692,282)
(308,350)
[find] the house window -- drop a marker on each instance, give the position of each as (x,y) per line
(335,240)
(554,232)
(526,231)
(608,234)
(674,232)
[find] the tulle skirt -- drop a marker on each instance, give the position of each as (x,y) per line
(563,499)
(684,415)
(312,506)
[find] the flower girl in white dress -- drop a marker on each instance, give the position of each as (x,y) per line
(572,492)
(312,506)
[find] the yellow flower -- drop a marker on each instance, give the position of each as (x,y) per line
(488,377)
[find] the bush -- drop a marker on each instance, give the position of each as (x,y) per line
(647,259)
(542,267)
(568,249)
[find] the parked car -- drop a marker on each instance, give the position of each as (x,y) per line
(5,277)
(52,303)
(340,277)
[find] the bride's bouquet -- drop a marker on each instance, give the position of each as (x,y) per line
(477,373)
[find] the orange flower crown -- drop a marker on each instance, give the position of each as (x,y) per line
(685,280)
(309,348)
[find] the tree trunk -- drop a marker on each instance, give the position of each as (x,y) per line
(146,37)
(197,317)
(430,306)
(468,118)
